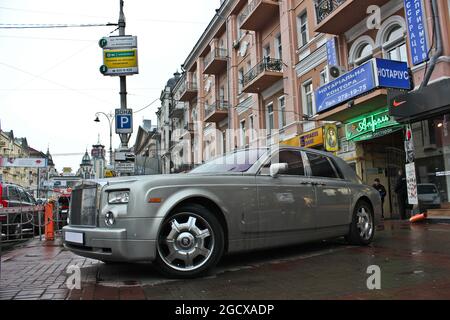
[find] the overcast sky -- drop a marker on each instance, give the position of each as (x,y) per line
(50,84)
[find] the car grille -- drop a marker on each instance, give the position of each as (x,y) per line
(83,208)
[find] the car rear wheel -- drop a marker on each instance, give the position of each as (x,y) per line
(362,229)
(190,242)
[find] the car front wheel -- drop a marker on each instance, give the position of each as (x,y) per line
(362,229)
(190,242)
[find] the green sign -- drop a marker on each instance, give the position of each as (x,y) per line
(370,126)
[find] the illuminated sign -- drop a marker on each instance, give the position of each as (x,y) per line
(371,126)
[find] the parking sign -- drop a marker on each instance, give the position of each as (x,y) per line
(124,121)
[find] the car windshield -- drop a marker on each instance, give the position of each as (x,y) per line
(427,189)
(240,161)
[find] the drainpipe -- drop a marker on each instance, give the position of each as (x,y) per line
(439,45)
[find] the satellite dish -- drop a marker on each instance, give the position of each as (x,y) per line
(336,71)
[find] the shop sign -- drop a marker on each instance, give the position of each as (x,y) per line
(417,35)
(376,73)
(332,52)
(411,179)
(393,74)
(370,126)
(331,138)
(348,86)
(312,139)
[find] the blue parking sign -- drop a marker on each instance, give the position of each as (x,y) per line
(124,121)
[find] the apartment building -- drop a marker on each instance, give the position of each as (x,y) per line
(263,72)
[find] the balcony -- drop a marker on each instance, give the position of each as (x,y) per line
(338,16)
(188,91)
(263,75)
(189,130)
(258,13)
(216,61)
(177,111)
(217,112)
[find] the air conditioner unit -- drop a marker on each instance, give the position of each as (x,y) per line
(336,71)
(236,44)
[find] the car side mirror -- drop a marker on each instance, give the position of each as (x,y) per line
(278,168)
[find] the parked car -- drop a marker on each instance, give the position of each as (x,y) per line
(63,205)
(14,196)
(247,200)
(429,196)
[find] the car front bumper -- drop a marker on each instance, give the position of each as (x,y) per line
(110,245)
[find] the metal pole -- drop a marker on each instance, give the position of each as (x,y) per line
(110,142)
(124,138)
(40,226)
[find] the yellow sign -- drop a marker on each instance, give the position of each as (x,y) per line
(109,174)
(294,142)
(312,138)
(331,138)
(120,61)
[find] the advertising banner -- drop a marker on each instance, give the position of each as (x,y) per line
(417,35)
(23,163)
(331,138)
(411,179)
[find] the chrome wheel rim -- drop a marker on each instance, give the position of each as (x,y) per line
(186,242)
(364,223)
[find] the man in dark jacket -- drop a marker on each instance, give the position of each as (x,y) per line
(382,190)
(401,189)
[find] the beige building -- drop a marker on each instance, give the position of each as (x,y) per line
(253,76)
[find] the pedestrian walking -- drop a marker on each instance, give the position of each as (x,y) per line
(382,191)
(401,189)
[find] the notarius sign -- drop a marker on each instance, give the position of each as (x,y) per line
(376,73)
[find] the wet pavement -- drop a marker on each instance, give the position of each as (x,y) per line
(414,262)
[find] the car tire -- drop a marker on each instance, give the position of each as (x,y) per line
(190,243)
(362,229)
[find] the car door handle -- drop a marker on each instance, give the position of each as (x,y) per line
(319,184)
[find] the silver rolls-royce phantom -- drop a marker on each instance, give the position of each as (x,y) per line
(246,200)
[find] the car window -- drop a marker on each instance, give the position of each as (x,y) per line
(321,166)
(23,196)
(30,198)
(13,194)
(4,193)
(294,160)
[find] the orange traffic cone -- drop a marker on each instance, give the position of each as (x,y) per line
(419,218)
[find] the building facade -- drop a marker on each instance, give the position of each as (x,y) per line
(266,72)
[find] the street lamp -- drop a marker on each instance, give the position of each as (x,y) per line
(110,118)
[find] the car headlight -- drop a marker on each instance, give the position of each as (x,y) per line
(119,197)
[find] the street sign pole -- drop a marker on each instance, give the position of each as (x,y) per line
(124,138)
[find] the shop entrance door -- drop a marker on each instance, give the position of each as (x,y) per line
(383,157)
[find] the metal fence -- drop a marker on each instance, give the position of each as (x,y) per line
(22,223)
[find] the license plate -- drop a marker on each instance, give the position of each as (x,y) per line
(74,237)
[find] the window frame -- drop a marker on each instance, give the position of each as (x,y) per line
(394,44)
(338,174)
(268,115)
(277,153)
(304,98)
(282,119)
(300,26)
